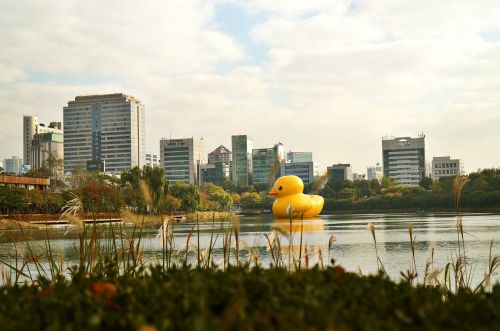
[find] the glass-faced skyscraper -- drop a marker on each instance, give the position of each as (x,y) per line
(266,165)
(107,129)
(242,146)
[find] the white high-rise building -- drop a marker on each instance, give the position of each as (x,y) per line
(375,172)
(31,127)
(181,158)
(45,145)
(444,166)
(13,165)
(152,160)
(105,130)
(404,159)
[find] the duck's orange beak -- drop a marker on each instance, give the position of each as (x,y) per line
(273,192)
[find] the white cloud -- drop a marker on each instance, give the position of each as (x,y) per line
(338,75)
(10,73)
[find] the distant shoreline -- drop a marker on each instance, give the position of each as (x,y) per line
(399,211)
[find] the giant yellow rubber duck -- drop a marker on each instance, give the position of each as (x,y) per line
(290,199)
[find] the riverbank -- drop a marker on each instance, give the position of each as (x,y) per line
(243,299)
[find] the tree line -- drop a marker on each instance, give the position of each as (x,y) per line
(145,190)
(481,191)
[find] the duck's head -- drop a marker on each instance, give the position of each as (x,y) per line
(287,185)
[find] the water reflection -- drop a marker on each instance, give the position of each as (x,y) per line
(353,247)
(296,226)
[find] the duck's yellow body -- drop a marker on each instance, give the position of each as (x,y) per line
(291,201)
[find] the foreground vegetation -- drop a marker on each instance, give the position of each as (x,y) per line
(242,299)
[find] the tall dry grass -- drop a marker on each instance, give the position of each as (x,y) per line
(110,250)
(457,274)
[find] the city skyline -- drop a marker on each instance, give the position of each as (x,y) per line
(329,77)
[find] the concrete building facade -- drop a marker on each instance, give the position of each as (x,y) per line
(340,171)
(181,159)
(31,127)
(241,166)
(404,159)
(29,183)
(444,166)
(108,129)
(45,145)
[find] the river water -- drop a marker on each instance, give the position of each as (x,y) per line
(353,246)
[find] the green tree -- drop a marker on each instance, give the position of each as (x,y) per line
(155,183)
(12,200)
(425,182)
(189,195)
(98,197)
(215,198)
(155,178)
(171,204)
(250,200)
(375,185)
(387,182)
(266,200)
(363,188)
(348,194)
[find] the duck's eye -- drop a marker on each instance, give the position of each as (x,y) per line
(280,188)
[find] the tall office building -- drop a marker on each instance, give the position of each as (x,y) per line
(266,164)
(295,157)
(13,165)
(32,127)
(218,168)
(444,166)
(375,172)
(106,130)
(45,145)
(242,146)
(181,159)
(340,171)
(300,164)
(304,170)
(404,159)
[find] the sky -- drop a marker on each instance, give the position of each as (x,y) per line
(326,76)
